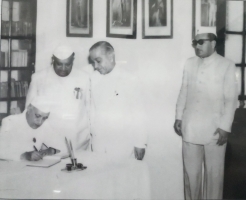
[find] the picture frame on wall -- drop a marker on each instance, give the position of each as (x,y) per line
(122,19)
(79,18)
(157,19)
(204,15)
(210,15)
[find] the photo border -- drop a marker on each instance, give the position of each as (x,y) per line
(134,25)
(157,36)
(220,24)
(90,34)
(196,17)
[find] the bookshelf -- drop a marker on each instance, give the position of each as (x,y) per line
(17,57)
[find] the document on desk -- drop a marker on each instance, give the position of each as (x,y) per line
(47,161)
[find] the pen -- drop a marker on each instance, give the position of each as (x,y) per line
(74,160)
(68,147)
(35,148)
(71,149)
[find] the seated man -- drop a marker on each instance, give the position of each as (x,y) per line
(22,134)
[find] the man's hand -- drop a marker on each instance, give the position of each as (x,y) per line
(223,135)
(32,156)
(49,152)
(139,153)
(177,127)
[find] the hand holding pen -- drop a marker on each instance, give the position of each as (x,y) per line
(32,155)
(35,155)
(47,151)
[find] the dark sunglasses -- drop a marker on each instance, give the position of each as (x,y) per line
(200,42)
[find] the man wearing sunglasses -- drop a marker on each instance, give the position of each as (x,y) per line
(204,114)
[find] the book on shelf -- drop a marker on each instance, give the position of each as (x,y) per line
(21,24)
(4,59)
(18,89)
(3,90)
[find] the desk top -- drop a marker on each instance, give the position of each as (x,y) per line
(103,179)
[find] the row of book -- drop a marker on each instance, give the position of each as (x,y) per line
(20,28)
(21,18)
(19,58)
(18,89)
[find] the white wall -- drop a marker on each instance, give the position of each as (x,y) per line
(157,62)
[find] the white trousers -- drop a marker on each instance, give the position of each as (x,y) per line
(212,157)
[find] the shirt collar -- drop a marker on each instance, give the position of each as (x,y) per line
(209,59)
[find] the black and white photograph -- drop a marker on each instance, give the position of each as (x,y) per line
(121,19)
(157,19)
(79,18)
(208,12)
(121,13)
(204,15)
(123,99)
(157,13)
(79,15)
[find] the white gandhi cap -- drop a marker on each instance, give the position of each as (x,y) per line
(203,29)
(41,103)
(63,52)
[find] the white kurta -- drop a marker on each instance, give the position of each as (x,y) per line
(68,98)
(207,99)
(17,137)
(117,113)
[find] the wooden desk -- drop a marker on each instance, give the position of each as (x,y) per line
(103,179)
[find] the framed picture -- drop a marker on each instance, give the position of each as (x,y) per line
(79,18)
(204,15)
(122,19)
(157,18)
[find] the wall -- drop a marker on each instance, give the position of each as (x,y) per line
(157,62)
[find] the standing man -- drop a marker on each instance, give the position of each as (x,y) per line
(204,115)
(117,116)
(67,91)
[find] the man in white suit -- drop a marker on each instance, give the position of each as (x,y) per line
(117,116)
(20,133)
(204,115)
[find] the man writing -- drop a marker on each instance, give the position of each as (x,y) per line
(204,114)
(67,90)
(117,117)
(21,134)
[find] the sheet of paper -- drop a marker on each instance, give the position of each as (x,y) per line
(47,161)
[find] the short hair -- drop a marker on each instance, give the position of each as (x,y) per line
(106,46)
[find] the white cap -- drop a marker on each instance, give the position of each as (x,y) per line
(41,103)
(63,52)
(203,29)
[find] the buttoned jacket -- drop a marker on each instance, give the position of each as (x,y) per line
(207,99)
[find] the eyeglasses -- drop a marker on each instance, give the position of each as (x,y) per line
(200,42)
